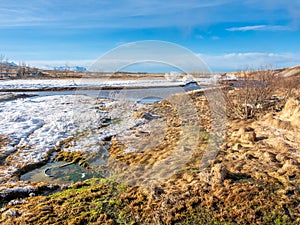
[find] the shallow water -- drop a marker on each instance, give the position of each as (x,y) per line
(142,95)
(56,172)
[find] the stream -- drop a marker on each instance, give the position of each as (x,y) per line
(142,95)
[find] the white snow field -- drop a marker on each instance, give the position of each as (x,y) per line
(61,83)
(32,128)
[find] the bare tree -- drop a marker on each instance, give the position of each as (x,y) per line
(1,63)
(7,66)
(252,94)
(67,69)
(22,69)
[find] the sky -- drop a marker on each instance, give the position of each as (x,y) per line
(228,35)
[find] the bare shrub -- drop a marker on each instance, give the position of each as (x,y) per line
(252,94)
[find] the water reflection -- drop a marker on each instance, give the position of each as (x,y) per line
(59,173)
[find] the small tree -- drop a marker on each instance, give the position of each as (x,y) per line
(252,94)
(7,66)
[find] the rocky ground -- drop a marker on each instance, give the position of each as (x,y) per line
(154,175)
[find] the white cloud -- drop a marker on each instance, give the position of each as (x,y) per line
(246,28)
(253,60)
(260,28)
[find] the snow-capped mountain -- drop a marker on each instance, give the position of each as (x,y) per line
(62,68)
(50,67)
(71,68)
(9,64)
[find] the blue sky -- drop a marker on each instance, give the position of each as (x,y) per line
(228,35)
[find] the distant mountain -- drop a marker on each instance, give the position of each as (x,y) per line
(71,68)
(79,69)
(50,67)
(9,64)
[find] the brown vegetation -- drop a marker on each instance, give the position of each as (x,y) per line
(257,92)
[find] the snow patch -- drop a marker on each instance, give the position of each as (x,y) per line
(37,127)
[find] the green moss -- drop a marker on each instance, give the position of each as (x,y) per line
(94,199)
(69,192)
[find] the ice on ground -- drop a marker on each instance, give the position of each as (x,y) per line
(35,127)
(119,115)
(50,83)
(36,83)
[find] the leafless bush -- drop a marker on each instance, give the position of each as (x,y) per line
(252,95)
